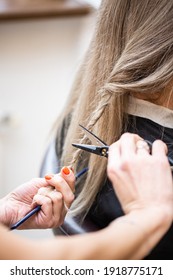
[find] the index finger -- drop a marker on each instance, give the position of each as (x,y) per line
(63,183)
(128,143)
(69,177)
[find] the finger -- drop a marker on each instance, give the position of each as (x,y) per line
(62,186)
(114,153)
(142,147)
(128,144)
(29,189)
(69,176)
(46,205)
(56,197)
(37,183)
(115,171)
(114,158)
(45,190)
(58,208)
(53,210)
(159,148)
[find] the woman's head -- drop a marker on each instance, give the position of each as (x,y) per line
(131,51)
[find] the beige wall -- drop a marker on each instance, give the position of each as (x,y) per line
(38,61)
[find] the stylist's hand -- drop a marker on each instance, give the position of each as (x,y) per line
(54,193)
(141,180)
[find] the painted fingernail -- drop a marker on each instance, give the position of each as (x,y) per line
(66,170)
(48,176)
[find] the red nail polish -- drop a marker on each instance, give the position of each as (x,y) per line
(66,170)
(48,177)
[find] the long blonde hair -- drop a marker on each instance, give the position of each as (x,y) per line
(131,51)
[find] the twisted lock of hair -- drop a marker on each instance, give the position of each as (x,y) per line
(97,167)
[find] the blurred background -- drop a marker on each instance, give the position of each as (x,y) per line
(42,43)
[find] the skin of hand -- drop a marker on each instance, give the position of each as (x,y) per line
(141,180)
(55,196)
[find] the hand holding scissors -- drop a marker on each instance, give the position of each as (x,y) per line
(100,148)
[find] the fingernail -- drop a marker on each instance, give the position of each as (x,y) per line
(66,170)
(48,176)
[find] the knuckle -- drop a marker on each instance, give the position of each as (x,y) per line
(158,141)
(41,191)
(70,198)
(46,223)
(34,180)
(36,196)
(56,222)
(161,143)
(58,196)
(50,224)
(125,164)
(126,135)
(59,180)
(111,171)
(47,201)
(37,182)
(163,162)
(71,180)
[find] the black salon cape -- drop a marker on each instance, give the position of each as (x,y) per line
(107,207)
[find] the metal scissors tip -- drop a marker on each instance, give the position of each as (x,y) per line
(93,138)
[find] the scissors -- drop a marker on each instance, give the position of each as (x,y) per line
(100,148)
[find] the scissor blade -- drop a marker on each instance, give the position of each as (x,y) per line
(94,139)
(98,150)
(88,148)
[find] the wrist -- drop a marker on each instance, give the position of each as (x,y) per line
(153,216)
(154,222)
(145,228)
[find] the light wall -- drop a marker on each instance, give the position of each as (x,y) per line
(38,62)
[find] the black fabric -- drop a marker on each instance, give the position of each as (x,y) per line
(107,207)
